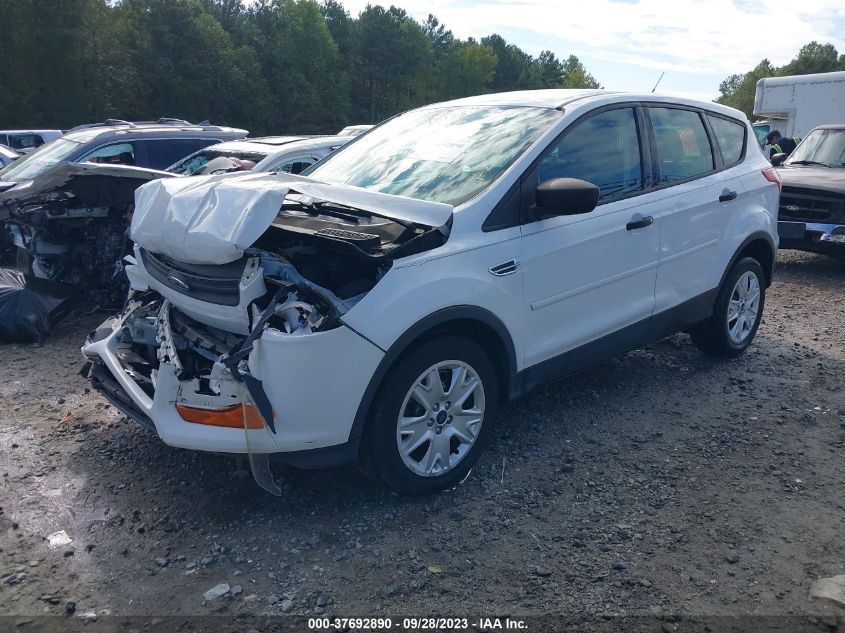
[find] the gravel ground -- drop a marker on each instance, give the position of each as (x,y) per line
(662,483)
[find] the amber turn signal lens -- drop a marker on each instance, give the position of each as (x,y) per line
(230,417)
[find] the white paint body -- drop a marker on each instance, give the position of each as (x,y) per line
(579,278)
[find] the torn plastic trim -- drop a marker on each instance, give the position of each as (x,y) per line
(275,266)
(259,463)
(167,353)
(238,365)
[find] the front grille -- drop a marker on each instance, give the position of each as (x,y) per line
(214,284)
(808,205)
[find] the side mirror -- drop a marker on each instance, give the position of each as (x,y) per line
(566,196)
(777,159)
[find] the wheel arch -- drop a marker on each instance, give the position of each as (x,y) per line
(472,322)
(761,247)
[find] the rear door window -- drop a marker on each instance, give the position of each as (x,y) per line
(603,150)
(730,135)
(683,147)
(162,153)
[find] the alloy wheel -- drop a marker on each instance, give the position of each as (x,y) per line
(743,307)
(440,418)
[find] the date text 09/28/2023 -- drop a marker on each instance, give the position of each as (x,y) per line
(416,624)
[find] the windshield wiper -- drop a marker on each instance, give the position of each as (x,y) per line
(807,162)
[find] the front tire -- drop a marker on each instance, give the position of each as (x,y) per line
(433,416)
(737,312)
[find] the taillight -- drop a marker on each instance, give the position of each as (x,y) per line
(771,174)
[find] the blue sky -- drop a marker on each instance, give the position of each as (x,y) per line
(626,44)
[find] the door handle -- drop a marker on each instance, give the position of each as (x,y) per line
(727,196)
(640,223)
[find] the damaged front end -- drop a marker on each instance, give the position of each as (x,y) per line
(239,292)
(70,225)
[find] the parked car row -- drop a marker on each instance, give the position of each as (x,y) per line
(68,204)
(381,305)
(24,141)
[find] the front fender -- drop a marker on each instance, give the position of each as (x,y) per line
(411,291)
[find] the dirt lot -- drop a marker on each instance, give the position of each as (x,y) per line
(662,483)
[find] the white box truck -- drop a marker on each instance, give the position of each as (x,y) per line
(797,104)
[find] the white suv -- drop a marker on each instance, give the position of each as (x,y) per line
(383,305)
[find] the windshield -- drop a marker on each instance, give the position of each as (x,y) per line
(447,154)
(194,164)
(825,147)
(38,161)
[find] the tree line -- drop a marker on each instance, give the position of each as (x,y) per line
(738,90)
(271,66)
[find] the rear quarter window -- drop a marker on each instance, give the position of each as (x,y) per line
(730,135)
(683,147)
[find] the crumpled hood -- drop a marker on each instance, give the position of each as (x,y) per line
(214,219)
(64,174)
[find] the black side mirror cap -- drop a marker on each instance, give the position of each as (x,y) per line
(566,196)
(777,159)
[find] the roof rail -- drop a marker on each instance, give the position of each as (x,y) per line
(160,121)
(171,121)
(107,122)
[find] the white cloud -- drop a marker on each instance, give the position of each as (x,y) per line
(702,37)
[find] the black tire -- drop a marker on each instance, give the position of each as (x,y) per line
(23,261)
(380,449)
(713,335)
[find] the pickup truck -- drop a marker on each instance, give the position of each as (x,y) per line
(811,216)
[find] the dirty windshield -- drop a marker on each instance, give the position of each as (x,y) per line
(821,147)
(35,163)
(445,154)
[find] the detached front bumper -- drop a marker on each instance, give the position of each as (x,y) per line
(102,349)
(314,383)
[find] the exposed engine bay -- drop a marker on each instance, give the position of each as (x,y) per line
(70,225)
(157,333)
(316,261)
(316,264)
(325,258)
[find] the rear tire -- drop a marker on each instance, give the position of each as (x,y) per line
(432,417)
(736,314)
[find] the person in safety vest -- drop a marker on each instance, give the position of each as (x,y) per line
(781,144)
